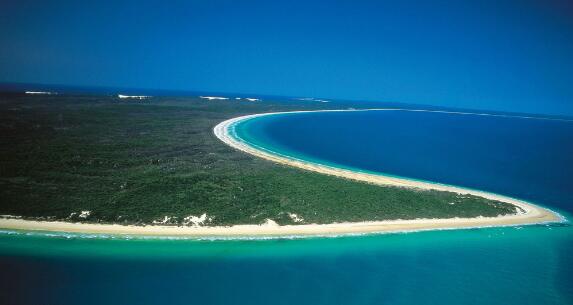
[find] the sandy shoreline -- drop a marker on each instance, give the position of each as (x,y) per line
(529,214)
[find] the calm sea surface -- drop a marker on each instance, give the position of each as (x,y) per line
(525,158)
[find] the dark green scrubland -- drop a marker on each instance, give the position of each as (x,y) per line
(134,162)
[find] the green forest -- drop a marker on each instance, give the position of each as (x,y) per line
(101,159)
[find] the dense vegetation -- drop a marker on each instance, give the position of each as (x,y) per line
(139,161)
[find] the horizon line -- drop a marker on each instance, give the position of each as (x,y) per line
(22,87)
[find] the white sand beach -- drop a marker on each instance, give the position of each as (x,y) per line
(528,213)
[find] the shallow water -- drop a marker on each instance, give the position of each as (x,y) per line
(511,265)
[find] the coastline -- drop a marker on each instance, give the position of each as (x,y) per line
(528,214)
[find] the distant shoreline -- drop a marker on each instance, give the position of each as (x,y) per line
(528,214)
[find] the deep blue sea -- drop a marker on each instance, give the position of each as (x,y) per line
(529,158)
(526,158)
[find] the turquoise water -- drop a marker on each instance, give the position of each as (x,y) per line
(518,265)
(511,265)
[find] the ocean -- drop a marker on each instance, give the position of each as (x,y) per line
(526,158)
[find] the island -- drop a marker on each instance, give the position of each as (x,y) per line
(169,166)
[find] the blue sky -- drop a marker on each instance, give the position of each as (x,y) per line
(496,55)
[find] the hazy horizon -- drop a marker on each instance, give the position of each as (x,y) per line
(511,56)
